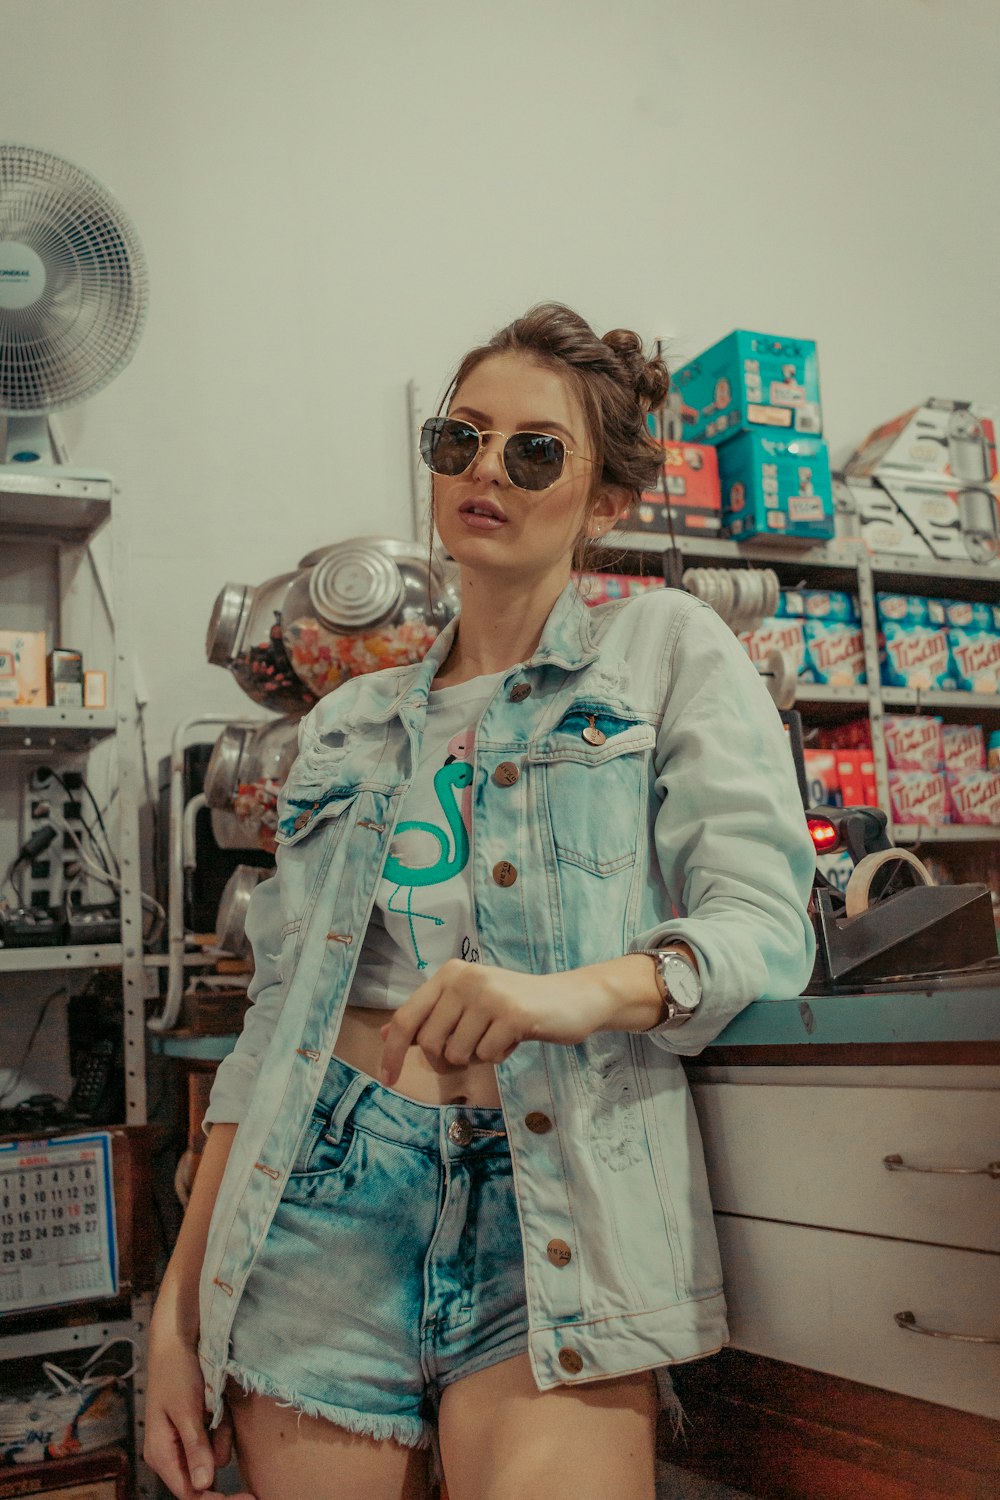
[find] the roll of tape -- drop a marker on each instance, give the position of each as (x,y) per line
(872,871)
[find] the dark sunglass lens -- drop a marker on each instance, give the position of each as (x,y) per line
(447,446)
(534,460)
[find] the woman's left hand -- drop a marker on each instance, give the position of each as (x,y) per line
(477,1013)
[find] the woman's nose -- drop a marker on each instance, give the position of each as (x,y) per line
(489,462)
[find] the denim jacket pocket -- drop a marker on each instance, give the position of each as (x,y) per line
(304,808)
(596,793)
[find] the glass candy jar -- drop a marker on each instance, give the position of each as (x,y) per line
(363,604)
(245,772)
(230,922)
(244,634)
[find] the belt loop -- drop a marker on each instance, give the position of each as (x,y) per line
(345,1104)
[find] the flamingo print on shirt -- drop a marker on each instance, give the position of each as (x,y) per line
(423,853)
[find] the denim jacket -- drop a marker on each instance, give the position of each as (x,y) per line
(684,822)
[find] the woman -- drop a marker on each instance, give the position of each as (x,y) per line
(466,1204)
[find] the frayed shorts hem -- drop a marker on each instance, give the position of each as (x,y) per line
(408,1432)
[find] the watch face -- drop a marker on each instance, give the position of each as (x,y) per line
(682,983)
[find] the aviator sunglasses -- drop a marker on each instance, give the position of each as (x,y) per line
(531,460)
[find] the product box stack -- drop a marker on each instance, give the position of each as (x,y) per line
(818,631)
(938,772)
(689,501)
(944,645)
(755,398)
(926,485)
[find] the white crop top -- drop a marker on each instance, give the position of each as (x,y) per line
(423,912)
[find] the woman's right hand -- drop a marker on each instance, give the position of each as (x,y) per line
(178,1446)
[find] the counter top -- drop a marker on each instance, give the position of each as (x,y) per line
(887,1017)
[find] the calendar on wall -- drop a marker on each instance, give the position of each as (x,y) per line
(57,1222)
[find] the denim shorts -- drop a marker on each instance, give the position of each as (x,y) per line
(393,1265)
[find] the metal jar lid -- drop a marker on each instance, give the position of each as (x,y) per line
(355,585)
(222,774)
(228,614)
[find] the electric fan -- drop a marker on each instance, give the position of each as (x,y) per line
(73,294)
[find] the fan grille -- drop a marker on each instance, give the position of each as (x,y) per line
(84,326)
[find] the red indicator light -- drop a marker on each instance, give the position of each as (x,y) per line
(825,835)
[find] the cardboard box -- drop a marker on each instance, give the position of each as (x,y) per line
(776,487)
(689,491)
(913,646)
(949,442)
(975,796)
(864,511)
(751,382)
(958,524)
(834,653)
(822,778)
(772,634)
(65,678)
(913,742)
(919,797)
(22,669)
(963,747)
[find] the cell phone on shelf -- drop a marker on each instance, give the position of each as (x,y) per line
(94,1088)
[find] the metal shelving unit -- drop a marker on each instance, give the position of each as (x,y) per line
(849,564)
(52,520)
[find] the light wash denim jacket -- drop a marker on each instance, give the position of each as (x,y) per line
(686,822)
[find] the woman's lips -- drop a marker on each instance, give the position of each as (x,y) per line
(482,516)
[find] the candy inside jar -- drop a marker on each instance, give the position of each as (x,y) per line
(245,635)
(362,605)
(245,772)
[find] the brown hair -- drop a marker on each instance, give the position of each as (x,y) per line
(616,384)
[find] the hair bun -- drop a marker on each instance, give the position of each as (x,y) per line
(650,378)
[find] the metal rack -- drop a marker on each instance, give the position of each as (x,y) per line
(54,521)
(849,565)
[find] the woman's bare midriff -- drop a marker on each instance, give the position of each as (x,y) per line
(360,1044)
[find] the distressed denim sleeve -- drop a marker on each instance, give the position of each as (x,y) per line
(236,1073)
(731,837)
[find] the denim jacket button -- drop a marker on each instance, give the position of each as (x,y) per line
(506,773)
(520,691)
(559,1252)
(504,873)
(301,821)
(538,1123)
(571,1360)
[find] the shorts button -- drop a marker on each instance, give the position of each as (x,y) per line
(571,1361)
(460,1131)
(559,1252)
(504,873)
(506,773)
(520,691)
(538,1123)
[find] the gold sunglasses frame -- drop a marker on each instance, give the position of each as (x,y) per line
(495,432)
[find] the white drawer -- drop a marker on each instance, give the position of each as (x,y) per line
(814,1155)
(827,1300)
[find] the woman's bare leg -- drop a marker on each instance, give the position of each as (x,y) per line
(286,1456)
(504,1439)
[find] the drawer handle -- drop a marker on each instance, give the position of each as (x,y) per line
(896,1163)
(908,1321)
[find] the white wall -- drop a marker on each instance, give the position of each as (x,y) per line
(335,197)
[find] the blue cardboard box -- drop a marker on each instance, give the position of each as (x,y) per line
(750,382)
(776,486)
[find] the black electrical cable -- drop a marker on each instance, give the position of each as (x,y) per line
(31,1042)
(113,868)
